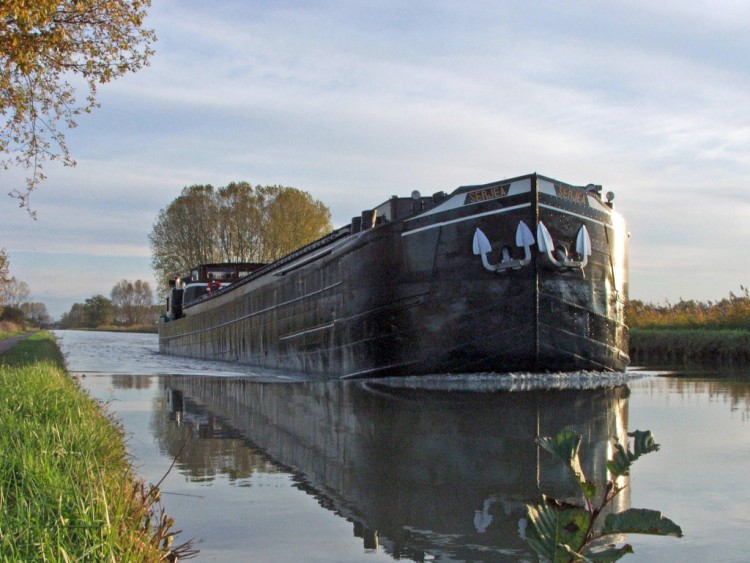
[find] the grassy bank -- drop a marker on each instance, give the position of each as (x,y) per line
(686,345)
(66,488)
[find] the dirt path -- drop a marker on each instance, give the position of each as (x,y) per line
(8,343)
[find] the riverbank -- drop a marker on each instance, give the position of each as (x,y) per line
(651,346)
(67,490)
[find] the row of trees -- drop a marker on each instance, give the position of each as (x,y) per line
(131,305)
(234,223)
(730,312)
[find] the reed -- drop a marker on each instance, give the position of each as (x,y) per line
(67,492)
(652,346)
(732,312)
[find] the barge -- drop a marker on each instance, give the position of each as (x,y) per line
(525,274)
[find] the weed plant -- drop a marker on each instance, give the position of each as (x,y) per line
(563,532)
(66,488)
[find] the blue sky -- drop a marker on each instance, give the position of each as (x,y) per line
(357,101)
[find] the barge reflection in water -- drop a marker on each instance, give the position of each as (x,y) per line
(419,473)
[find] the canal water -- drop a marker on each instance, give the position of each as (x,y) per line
(261,467)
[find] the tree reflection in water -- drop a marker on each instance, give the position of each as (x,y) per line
(204,445)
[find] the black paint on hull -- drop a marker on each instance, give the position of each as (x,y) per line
(409,296)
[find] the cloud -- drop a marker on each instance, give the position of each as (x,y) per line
(358,101)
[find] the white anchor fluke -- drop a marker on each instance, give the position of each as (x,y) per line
(524,238)
(481,243)
(583,242)
(547,246)
(545,239)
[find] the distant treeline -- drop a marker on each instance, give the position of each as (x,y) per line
(732,312)
(131,307)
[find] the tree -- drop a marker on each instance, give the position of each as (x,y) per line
(185,232)
(291,219)
(45,43)
(4,274)
(14,292)
(132,302)
(235,223)
(97,311)
(13,315)
(36,314)
(75,318)
(241,220)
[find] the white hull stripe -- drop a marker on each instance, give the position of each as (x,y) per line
(469,218)
(504,210)
(584,217)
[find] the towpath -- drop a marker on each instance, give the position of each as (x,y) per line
(8,343)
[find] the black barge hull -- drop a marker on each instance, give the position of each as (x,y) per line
(413,292)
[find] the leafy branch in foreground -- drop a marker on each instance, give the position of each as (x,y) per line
(562,532)
(48,50)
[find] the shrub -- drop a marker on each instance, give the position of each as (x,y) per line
(13,315)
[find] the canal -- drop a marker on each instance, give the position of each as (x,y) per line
(269,468)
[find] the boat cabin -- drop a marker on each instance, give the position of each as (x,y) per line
(394,209)
(202,280)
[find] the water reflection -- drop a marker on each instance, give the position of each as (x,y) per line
(251,512)
(203,444)
(416,472)
(733,392)
(129,381)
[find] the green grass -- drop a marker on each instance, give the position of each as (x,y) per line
(685,345)
(66,488)
(38,348)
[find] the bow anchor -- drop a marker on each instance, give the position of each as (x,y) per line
(482,247)
(547,246)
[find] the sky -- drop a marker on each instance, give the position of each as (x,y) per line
(356,101)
